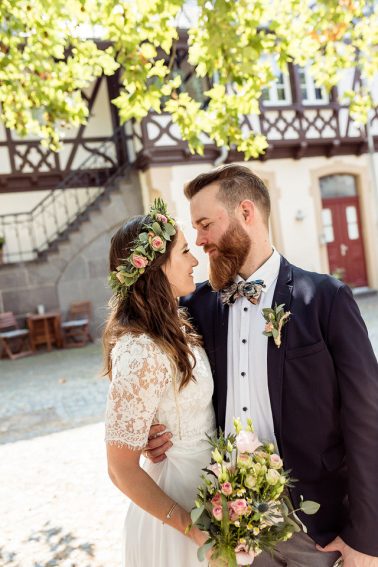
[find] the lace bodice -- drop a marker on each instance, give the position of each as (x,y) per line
(145,390)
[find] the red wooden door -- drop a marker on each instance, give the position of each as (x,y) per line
(342,229)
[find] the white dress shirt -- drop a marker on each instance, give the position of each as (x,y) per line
(247,373)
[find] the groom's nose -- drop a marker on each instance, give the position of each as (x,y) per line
(200,240)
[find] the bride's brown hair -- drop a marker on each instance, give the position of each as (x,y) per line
(149,307)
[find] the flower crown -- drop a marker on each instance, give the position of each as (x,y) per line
(150,242)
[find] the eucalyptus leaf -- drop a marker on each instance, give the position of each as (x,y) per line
(156,228)
(196,513)
(309,507)
(169,229)
(201,551)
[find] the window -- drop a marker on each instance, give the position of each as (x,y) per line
(327,226)
(342,185)
(352,223)
(279,92)
(310,93)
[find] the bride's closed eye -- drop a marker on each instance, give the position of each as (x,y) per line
(186,250)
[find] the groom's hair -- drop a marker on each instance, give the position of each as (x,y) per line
(236,183)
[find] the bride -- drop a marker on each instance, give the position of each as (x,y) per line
(159,374)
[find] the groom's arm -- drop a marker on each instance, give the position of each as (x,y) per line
(357,371)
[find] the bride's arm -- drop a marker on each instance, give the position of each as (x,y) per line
(126,473)
(141,374)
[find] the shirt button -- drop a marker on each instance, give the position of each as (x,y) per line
(245,409)
(244,341)
(243,373)
(245,308)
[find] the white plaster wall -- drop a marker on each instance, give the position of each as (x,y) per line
(294,193)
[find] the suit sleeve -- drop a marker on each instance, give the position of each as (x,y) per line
(357,372)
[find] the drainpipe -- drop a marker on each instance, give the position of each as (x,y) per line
(223,155)
(373,171)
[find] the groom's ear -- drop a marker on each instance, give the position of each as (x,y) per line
(247,210)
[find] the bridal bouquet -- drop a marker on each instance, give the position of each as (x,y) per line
(242,502)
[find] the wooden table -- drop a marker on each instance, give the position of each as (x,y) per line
(45,329)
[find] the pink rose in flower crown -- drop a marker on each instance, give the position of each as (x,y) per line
(239,506)
(158,244)
(161,218)
(243,555)
(226,488)
(247,442)
(218,512)
(217,499)
(139,261)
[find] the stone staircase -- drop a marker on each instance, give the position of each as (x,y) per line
(74,265)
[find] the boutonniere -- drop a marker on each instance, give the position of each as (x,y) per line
(275,319)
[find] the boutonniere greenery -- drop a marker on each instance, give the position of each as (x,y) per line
(275,319)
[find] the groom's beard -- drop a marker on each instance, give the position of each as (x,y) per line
(232,252)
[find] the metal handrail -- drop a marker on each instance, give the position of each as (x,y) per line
(29,234)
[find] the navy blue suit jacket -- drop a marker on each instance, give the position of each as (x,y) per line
(323,386)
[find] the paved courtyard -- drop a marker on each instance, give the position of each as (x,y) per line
(57,506)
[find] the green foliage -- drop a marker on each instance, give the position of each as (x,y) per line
(46,61)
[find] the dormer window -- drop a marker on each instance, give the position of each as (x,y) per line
(310,92)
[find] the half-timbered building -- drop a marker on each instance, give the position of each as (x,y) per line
(58,210)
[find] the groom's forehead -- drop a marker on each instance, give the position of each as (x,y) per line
(205,203)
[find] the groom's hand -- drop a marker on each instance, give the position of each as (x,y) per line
(351,557)
(159,441)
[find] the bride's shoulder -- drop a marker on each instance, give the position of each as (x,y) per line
(138,345)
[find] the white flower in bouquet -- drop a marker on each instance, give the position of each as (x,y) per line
(243,502)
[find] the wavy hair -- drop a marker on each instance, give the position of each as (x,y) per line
(150,306)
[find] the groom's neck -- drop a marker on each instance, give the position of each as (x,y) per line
(258,255)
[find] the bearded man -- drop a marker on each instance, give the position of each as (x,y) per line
(312,388)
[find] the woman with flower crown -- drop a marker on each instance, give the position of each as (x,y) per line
(159,374)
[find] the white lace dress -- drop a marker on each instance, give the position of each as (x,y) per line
(144,390)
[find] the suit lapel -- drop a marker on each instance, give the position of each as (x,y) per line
(275,355)
(220,347)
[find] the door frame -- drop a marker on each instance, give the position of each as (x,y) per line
(366,205)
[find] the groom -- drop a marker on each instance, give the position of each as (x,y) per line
(316,395)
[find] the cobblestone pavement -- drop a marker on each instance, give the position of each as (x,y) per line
(57,506)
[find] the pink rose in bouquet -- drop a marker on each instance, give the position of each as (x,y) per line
(247,442)
(242,503)
(217,499)
(239,506)
(226,488)
(275,461)
(215,468)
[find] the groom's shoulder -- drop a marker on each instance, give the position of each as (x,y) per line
(318,283)
(202,293)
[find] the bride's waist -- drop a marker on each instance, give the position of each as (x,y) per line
(192,444)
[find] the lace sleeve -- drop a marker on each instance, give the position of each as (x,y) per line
(141,373)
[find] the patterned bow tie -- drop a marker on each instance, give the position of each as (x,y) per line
(249,290)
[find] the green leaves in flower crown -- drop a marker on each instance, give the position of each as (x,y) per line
(149,243)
